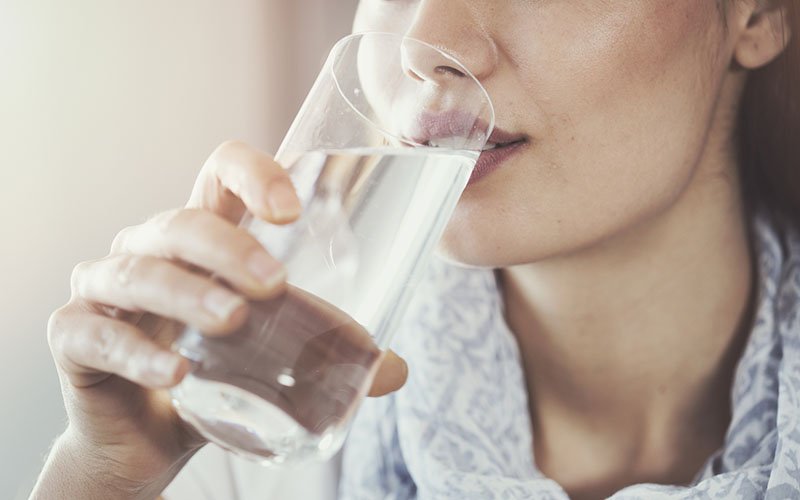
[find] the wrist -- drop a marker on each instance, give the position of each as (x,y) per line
(76,469)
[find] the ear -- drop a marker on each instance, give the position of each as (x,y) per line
(764,34)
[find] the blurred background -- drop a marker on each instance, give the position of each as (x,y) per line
(107,111)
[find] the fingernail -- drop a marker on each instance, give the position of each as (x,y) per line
(283,201)
(268,271)
(164,364)
(221,303)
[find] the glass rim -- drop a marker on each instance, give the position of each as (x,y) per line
(340,45)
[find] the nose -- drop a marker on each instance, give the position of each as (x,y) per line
(453,26)
(423,64)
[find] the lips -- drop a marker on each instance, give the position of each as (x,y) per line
(450,129)
(501,138)
(501,146)
(492,159)
(458,130)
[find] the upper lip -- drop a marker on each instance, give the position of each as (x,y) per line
(430,126)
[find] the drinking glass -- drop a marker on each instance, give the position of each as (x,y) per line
(379,154)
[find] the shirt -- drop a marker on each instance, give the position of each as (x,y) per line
(461,428)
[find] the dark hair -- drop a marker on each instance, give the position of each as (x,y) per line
(769,130)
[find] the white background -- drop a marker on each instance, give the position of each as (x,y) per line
(107,111)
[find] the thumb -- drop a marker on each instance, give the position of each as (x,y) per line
(392,375)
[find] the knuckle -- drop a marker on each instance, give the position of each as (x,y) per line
(77,280)
(55,328)
(120,239)
(166,222)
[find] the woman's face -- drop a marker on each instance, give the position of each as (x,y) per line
(615,99)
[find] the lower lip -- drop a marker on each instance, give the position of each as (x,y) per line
(491,160)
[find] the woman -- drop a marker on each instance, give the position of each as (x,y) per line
(619,305)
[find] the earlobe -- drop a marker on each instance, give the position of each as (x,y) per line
(764,37)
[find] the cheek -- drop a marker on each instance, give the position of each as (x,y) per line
(618,103)
(614,67)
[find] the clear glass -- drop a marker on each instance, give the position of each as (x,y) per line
(379,153)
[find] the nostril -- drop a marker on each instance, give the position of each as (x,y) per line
(427,63)
(448,69)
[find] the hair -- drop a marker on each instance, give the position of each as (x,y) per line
(769,129)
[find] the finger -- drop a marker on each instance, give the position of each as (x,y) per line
(142,283)
(88,347)
(208,241)
(391,376)
(237,177)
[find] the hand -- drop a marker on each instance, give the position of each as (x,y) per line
(111,340)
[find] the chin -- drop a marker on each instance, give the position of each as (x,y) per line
(467,243)
(469,251)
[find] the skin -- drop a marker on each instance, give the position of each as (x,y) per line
(124,439)
(617,233)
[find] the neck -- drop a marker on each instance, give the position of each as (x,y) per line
(640,332)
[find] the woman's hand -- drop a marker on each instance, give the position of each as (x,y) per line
(111,340)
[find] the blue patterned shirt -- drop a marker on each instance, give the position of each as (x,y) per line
(461,427)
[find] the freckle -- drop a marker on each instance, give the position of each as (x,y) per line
(661,389)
